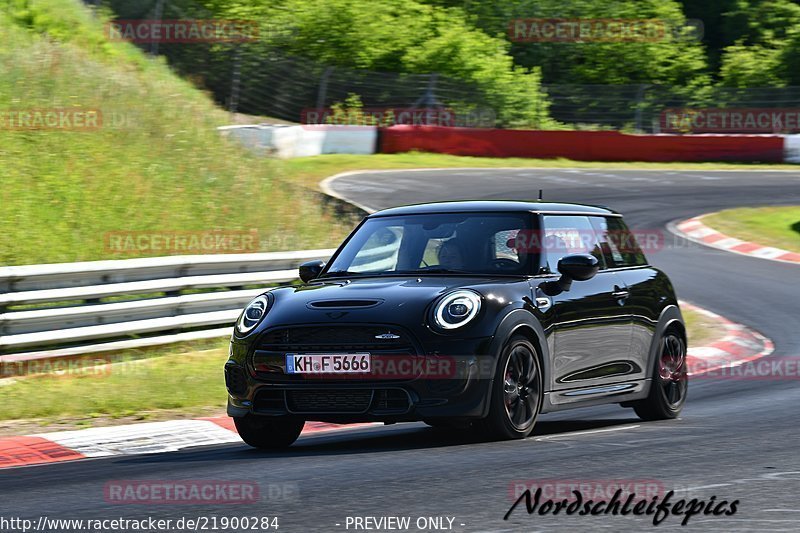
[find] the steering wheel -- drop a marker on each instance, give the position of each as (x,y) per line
(502,263)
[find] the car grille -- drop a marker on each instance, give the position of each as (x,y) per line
(269,358)
(328,401)
(390,400)
(332,401)
(235,379)
(339,338)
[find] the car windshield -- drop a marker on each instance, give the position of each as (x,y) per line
(445,243)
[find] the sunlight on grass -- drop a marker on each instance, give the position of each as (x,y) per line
(155,164)
(770,226)
(178,381)
(700,329)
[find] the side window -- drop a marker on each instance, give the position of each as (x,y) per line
(564,235)
(618,243)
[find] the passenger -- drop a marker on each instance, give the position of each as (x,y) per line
(450,255)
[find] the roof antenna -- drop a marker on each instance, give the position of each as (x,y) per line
(540,195)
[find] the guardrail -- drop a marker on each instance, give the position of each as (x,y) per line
(57,309)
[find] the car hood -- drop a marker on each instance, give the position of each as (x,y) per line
(370,300)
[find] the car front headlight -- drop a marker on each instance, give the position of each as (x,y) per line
(252,315)
(456,309)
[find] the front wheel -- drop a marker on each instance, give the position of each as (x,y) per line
(670,382)
(516,395)
(270,433)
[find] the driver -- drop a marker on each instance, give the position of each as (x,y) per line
(450,255)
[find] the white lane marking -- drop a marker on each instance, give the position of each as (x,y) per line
(779,475)
(590,432)
(559,179)
(717,485)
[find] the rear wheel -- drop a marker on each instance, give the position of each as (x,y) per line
(516,395)
(670,381)
(271,433)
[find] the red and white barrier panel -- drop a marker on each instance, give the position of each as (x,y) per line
(288,141)
(582,145)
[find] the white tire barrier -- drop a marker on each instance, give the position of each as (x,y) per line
(286,141)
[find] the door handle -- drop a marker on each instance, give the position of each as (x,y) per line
(620,293)
(543,303)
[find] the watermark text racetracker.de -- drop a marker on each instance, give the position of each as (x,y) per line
(55,118)
(197,492)
(395,116)
(637,498)
(143,31)
(601,30)
(730,120)
(770,368)
(69,366)
(182,242)
(46,524)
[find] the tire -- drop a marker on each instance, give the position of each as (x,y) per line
(670,381)
(269,433)
(516,395)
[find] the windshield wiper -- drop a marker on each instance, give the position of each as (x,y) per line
(416,272)
(433,270)
(340,274)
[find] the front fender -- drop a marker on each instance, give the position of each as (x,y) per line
(525,322)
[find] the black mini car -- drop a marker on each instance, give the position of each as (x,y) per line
(478,315)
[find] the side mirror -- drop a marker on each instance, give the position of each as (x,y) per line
(577,267)
(573,267)
(311,270)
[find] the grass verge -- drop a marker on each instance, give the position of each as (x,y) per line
(174,382)
(154,163)
(701,330)
(143,385)
(770,226)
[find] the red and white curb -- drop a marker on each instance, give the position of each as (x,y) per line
(695,230)
(739,345)
(132,439)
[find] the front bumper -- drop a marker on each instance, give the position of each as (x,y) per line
(258,384)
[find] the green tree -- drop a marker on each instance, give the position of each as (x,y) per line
(673,59)
(402,36)
(752,66)
(765,50)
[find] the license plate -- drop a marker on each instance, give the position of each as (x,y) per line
(335,363)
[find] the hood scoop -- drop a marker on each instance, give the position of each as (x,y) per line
(344,304)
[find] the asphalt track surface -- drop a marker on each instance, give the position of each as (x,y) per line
(736,439)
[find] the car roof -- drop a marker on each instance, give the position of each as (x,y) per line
(494,206)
